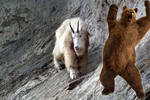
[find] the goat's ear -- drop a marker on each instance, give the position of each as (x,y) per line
(125,7)
(88,34)
(136,10)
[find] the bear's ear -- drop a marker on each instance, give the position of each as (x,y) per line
(136,10)
(125,7)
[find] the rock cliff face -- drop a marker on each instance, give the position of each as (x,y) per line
(27,29)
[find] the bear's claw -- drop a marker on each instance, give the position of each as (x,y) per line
(113,6)
(147,3)
(107,91)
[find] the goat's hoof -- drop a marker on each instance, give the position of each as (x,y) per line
(59,68)
(74,75)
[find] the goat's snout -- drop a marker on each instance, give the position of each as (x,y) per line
(76,48)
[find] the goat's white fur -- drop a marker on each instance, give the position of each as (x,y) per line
(63,49)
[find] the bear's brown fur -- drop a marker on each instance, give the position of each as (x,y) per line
(119,57)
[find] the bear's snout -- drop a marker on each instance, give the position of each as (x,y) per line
(130,15)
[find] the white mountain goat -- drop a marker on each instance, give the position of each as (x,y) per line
(71,46)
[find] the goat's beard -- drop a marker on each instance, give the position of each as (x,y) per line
(80,52)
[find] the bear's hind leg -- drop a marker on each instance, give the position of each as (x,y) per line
(107,79)
(133,77)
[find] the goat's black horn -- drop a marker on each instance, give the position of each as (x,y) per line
(71,28)
(78,27)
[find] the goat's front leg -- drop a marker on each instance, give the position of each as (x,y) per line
(83,64)
(57,56)
(71,63)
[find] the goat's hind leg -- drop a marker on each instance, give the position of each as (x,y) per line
(57,58)
(57,64)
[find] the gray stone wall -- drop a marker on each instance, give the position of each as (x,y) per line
(27,29)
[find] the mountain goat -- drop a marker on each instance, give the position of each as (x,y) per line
(71,46)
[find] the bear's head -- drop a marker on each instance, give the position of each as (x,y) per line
(128,15)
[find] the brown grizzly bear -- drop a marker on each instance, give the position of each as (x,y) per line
(119,57)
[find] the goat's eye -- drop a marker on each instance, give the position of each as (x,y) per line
(80,35)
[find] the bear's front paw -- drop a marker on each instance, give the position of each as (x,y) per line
(113,6)
(147,3)
(141,94)
(107,91)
